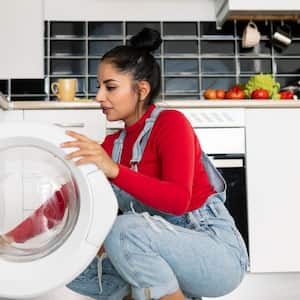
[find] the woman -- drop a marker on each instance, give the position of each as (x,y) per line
(175,237)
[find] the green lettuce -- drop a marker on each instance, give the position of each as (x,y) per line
(263,81)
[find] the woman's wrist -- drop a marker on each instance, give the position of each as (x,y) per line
(115,171)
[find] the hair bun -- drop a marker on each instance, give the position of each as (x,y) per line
(147,39)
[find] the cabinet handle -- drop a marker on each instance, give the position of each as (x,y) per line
(64,125)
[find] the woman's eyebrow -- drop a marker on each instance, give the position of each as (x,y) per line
(109,80)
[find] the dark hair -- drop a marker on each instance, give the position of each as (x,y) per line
(136,58)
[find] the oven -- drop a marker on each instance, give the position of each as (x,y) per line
(221,134)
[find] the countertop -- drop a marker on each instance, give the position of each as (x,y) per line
(20,105)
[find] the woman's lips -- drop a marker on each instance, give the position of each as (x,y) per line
(105,109)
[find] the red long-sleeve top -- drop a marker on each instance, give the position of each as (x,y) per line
(170,177)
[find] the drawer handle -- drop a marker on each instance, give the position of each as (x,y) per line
(64,125)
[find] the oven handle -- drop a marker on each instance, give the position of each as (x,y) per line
(227,162)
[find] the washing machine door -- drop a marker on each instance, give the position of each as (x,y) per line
(57,213)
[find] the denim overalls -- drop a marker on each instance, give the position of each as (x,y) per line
(201,252)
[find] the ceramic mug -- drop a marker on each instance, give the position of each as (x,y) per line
(251,35)
(64,89)
(282,37)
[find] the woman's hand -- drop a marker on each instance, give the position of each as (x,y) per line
(90,152)
(5,239)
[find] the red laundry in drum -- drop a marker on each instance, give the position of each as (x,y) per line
(44,218)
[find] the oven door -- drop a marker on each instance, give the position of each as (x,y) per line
(232,168)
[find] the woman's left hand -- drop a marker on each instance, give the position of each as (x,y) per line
(90,152)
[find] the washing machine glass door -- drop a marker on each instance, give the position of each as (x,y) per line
(39,202)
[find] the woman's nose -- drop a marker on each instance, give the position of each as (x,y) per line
(99,96)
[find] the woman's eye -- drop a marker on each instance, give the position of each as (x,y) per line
(110,88)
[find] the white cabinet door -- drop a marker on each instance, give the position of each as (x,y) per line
(21,36)
(13,115)
(255,5)
(90,122)
(129,10)
(273,182)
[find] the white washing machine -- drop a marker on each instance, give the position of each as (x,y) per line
(58,213)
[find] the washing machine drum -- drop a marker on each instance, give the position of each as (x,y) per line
(58,214)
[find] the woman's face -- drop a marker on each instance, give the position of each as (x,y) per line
(118,98)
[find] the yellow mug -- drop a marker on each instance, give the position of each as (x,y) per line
(64,89)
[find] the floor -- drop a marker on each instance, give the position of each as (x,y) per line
(59,294)
(281,286)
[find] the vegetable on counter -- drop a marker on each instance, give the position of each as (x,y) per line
(235,93)
(260,94)
(263,81)
(212,94)
(286,95)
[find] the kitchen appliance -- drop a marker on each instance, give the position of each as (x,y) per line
(221,134)
(74,209)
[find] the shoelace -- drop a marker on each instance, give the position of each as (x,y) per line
(149,219)
(99,267)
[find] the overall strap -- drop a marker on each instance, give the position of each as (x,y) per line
(215,177)
(141,141)
(118,147)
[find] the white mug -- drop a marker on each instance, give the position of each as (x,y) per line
(282,37)
(251,35)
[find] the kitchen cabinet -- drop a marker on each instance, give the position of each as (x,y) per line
(21,35)
(273,164)
(90,122)
(236,9)
(14,115)
(104,10)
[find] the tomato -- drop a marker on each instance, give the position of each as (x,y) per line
(235,93)
(286,95)
(220,94)
(210,94)
(260,94)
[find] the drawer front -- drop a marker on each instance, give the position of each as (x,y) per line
(88,122)
(14,115)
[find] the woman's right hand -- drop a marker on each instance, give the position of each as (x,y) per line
(89,151)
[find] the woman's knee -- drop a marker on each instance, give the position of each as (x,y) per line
(120,228)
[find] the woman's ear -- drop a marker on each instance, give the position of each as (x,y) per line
(144,89)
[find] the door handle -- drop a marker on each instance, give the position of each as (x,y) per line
(74,125)
(228,163)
